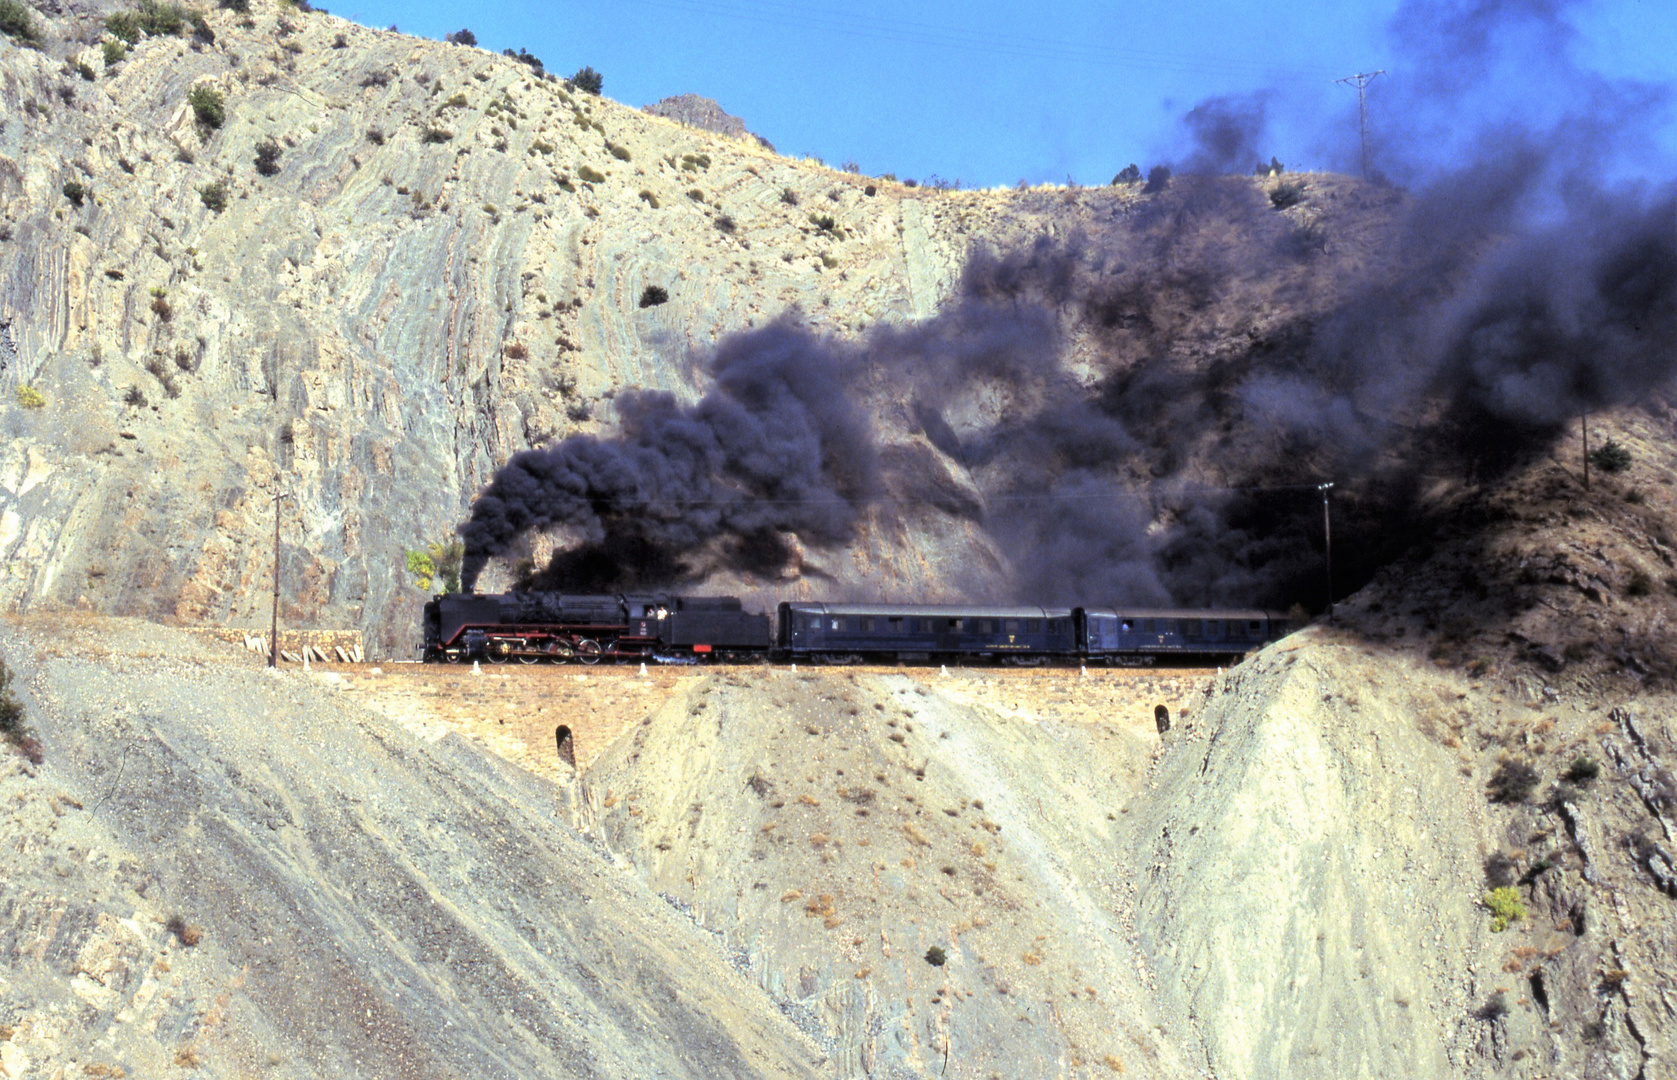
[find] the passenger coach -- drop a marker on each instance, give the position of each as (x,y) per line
(853,633)
(1125,635)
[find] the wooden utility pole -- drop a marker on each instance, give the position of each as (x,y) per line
(273,628)
(1584,426)
(1327,535)
(1361,81)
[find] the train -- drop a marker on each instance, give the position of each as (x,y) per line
(536,627)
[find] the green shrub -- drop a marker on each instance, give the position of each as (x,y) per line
(209,105)
(12,727)
(1512,782)
(618,152)
(214,195)
(162,19)
(1506,907)
(653,295)
(86,71)
(1130,174)
(458,101)
(435,135)
(936,957)
(115,52)
(1286,195)
(587,80)
(1583,769)
(375,136)
(75,191)
(1610,457)
(824,222)
(242,7)
(724,223)
(788,196)
(18,21)
(125,25)
(695,162)
(438,565)
(589,176)
(30,398)
(649,198)
(696,195)
(267,157)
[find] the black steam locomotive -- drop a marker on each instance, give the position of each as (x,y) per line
(531,627)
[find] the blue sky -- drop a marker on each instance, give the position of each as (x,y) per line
(993,92)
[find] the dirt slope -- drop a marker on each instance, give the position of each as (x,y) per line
(370,904)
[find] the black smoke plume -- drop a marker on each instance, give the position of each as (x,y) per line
(1141,412)
(777,448)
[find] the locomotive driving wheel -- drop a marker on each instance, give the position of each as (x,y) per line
(499,652)
(588,651)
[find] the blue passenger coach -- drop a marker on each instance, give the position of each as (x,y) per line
(853,633)
(1131,635)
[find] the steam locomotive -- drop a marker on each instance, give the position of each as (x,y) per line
(531,627)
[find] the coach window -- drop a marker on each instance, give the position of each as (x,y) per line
(895,624)
(1255,628)
(1213,628)
(955,624)
(1125,626)
(815,622)
(914,626)
(867,624)
(1192,628)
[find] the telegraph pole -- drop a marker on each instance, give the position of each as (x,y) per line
(1327,534)
(1584,427)
(1361,81)
(273,629)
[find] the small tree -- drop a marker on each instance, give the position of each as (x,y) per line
(74,191)
(653,295)
(267,157)
(208,105)
(587,80)
(214,195)
(1610,457)
(461,37)
(1131,174)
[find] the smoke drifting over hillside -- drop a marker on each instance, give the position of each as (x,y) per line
(776,448)
(1510,296)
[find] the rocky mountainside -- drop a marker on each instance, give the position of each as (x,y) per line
(693,110)
(394,263)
